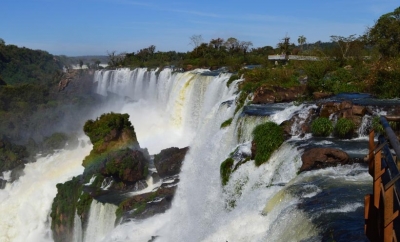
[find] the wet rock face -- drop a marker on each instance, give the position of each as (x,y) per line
(2,183)
(146,205)
(169,161)
(126,165)
(317,158)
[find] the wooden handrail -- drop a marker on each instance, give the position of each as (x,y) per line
(382,207)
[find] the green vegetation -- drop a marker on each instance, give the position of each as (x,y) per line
(226,123)
(268,137)
(226,170)
(64,205)
(99,129)
(321,126)
(385,34)
(31,106)
(70,200)
(377,126)
(105,132)
(55,141)
(11,155)
(344,128)
(232,79)
(23,65)
(83,205)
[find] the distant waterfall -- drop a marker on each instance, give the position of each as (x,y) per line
(165,103)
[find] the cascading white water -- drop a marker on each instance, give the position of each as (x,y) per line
(77,232)
(101,221)
(25,204)
(168,105)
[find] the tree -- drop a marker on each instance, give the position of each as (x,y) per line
(114,59)
(196,40)
(344,43)
(80,63)
(244,46)
(385,34)
(2,42)
(301,40)
(284,46)
(217,43)
(97,62)
(231,44)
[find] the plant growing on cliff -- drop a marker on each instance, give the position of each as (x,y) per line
(226,123)
(268,137)
(321,126)
(231,79)
(344,128)
(226,170)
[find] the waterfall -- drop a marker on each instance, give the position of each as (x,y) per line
(166,104)
(101,221)
(77,232)
(202,209)
(266,203)
(26,203)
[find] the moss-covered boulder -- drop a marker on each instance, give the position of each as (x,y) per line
(111,131)
(169,161)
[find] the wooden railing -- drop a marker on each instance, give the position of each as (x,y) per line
(382,221)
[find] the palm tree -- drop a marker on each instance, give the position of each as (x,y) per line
(301,40)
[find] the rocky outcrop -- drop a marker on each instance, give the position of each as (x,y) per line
(168,164)
(116,158)
(146,205)
(69,201)
(317,158)
(128,166)
(169,161)
(275,94)
(109,132)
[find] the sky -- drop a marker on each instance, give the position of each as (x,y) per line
(98,27)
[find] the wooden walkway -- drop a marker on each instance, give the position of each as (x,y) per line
(382,221)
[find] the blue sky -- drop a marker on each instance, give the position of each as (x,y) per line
(95,27)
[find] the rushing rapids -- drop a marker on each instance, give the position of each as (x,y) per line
(267,203)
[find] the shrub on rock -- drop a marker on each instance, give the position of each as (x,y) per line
(267,138)
(344,128)
(321,126)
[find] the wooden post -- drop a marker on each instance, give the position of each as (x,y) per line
(370,157)
(388,214)
(378,172)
